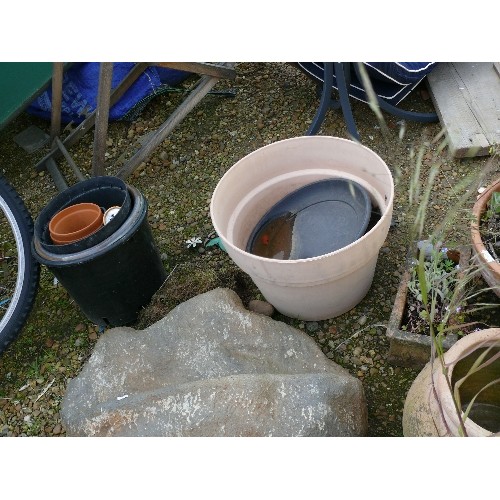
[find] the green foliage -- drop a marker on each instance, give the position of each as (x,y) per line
(440,288)
(433,284)
(34,368)
(493,206)
(481,362)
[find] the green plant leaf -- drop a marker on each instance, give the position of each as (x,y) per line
(495,202)
(476,366)
(421,277)
(471,403)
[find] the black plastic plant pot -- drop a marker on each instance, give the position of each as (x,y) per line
(104,191)
(113,280)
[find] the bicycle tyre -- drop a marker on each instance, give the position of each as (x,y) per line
(17,221)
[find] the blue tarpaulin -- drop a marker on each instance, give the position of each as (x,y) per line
(80,87)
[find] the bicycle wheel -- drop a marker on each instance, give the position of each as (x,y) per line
(19,271)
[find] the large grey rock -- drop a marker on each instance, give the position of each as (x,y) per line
(212,368)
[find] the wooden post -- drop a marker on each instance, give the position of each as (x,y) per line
(102,115)
(89,122)
(57,81)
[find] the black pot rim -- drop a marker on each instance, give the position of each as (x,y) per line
(66,198)
(121,235)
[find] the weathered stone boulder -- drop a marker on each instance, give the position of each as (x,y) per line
(212,368)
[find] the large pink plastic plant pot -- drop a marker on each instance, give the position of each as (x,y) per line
(320,287)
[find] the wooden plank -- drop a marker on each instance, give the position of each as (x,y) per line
(480,81)
(210,69)
(467,100)
(204,86)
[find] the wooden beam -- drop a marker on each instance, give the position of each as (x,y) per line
(101,121)
(57,84)
(210,69)
(196,95)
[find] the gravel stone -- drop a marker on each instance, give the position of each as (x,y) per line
(362,320)
(312,326)
(261,307)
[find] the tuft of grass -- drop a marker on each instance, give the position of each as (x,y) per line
(192,278)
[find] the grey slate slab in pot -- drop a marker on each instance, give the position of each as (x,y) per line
(316,219)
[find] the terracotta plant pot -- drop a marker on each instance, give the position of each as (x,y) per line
(75,223)
(490,268)
(429,413)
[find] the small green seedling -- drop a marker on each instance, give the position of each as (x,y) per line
(493,205)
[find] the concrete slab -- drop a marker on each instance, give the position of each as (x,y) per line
(31,139)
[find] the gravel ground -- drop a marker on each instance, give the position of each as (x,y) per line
(273,101)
